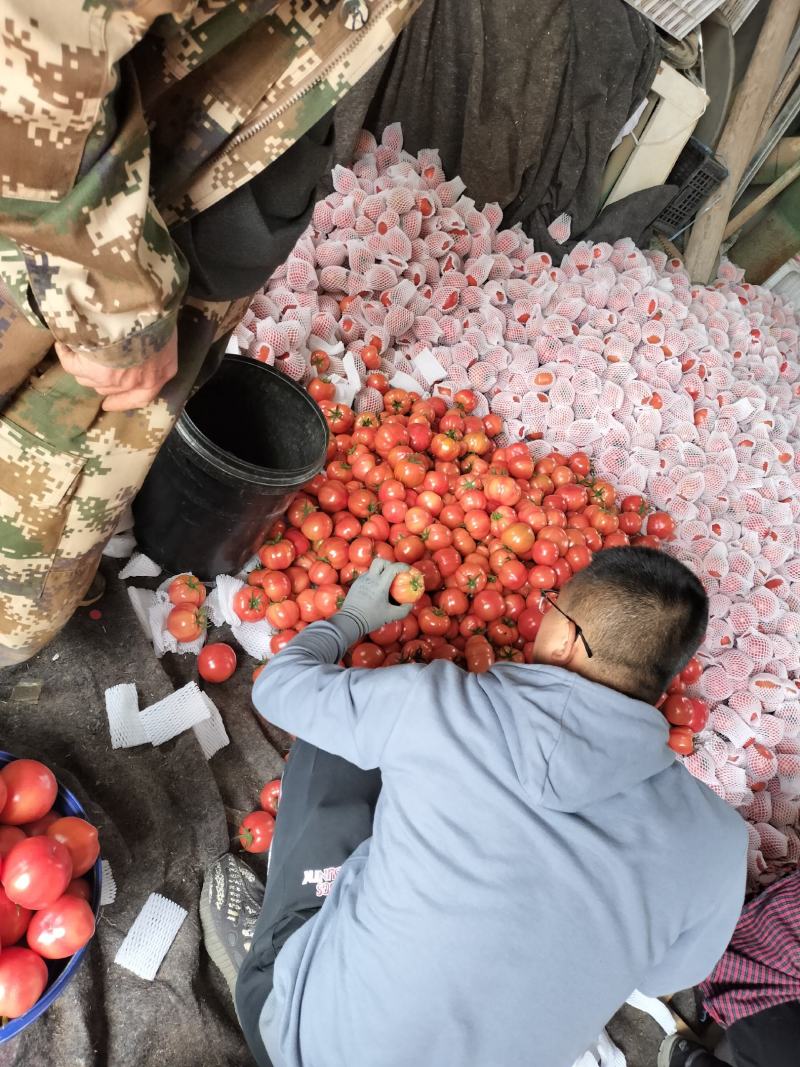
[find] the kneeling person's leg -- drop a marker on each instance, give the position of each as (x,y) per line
(326,811)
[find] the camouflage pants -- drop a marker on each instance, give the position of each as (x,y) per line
(68,470)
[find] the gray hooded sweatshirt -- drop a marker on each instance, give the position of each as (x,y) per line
(538,853)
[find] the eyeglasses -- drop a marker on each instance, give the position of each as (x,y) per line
(546,595)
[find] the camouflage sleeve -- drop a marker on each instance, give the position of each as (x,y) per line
(82,245)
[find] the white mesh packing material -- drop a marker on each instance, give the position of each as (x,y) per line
(124,722)
(211,733)
(140,566)
(174,713)
(151,936)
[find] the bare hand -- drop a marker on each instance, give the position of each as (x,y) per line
(124,388)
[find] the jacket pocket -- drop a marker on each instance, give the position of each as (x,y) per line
(36,484)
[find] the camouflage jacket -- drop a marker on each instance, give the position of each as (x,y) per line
(121,117)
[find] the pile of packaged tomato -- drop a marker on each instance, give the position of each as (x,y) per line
(45,902)
(486,531)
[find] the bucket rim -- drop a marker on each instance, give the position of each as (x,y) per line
(230,464)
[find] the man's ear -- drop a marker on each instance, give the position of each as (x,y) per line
(562,647)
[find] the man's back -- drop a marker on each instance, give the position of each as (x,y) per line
(537,855)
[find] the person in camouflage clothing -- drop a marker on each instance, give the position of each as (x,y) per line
(121,123)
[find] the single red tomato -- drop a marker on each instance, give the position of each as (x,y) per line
(479,654)
(270,796)
(367,655)
(186,623)
(513,574)
(580,463)
(186,589)
(409,549)
(529,622)
(36,872)
(277,585)
(660,525)
(277,555)
(79,887)
(31,790)
(434,621)
(542,577)
(465,400)
(678,710)
(453,602)
(387,634)
(80,839)
(23,978)
(250,604)
(40,826)
(321,389)
(283,616)
(61,929)
(448,560)
(630,523)
(545,552)
(488,605)
(699,718)
(578,557)
(681,740)
(692,671)
(256,831)
(217,662)
(471,578)
(13,920)
(646,542)
(10,836)
(519,537)
(407,587)
(280,640)
(328,599)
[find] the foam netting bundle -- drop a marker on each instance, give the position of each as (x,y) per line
(689,394)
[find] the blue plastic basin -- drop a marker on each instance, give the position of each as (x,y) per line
(61,971)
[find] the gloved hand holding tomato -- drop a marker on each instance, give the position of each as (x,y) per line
(367,605)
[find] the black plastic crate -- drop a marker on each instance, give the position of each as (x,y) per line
(698,172)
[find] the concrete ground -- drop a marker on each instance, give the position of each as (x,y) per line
(94,652)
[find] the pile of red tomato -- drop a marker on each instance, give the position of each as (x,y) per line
(45,902)
(486,531)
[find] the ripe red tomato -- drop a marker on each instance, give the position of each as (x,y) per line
(479,654)
(367,655)
(692,671)
(572,497)
(61,929)
(280,640)
(453,602)
(465,400)
(409,549)
(678,710)
(529,622)
(387,634)
(519,537)
(270,796)
(681,740)
(542,577)
(36,872)
(434,621)
(321,389)
(23,977)
(407,587)
(578,557)
(217,662)
(545,552)
(660,525)
(328,599)
(250,604)
(13,920)
(80,888)
(277,555)
(39,826)
(580,463)
(31,790)
(630,523)
(9,836)
(317,526)
(471,578)
(256,831)
(80,839)
(186,589)
(698,721)
(488,605)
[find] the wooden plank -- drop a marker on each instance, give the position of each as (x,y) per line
(736,144)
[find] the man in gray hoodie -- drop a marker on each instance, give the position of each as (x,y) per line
(476,870)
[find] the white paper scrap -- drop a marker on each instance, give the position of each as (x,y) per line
(401,380)
(429,366)
(175,713)
(124,721)
(344,391)
(151,936)
(140,566)
(108,889)
(211,733)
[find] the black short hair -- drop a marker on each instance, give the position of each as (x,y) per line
(644,614)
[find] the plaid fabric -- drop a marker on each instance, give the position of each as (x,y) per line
(761,966)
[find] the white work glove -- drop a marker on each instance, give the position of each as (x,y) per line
(367,605)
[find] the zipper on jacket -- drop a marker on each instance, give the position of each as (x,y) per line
(267,120)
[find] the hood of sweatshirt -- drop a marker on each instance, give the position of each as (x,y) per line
(574,742)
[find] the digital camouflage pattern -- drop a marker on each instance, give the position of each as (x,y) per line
(119,118)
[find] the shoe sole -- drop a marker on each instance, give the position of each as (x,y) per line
(665,1052)
(215,948)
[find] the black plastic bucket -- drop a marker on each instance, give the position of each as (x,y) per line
(245,443)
